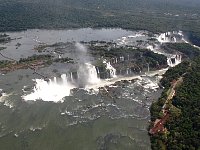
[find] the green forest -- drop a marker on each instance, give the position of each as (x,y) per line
(184,122)
(186,49)
(161,16)
(183,125)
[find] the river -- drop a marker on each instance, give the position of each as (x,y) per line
(85,118)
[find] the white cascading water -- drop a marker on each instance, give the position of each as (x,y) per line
(116,60)
(88,73)
(93,75)
(148,69)
(71,77)
(169,61)
(177,60)
(111,69)
(181,34)
(50,90)
(150,47)
(171,37)
(121,58)
(175,40)
(163,38)
(136,35)
(54,90)
(128,71)
(97,70)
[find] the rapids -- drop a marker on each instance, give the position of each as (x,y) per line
(88,75)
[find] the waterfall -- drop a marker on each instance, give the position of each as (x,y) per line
(170,37)
(87,74)
(148,67)
(150,47)
(175,40)
(53,90)
(177,60)
(64,78)
(71,77)
(169,62)
(163,38)
(55,80)
(111,69)
(92,76)
(121,58)
(127,71)
(130,71)
(50,90)
(116,60)
(98,72)
(50,81)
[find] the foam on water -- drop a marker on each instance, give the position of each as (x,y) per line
(169,37)
(54,90)
(175,36)
(136,35)
(151,85)
(50,90)
(3,99)
(177,60)
(111,69)
(88,72)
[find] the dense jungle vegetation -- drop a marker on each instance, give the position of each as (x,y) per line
(186,49)
(137,60)
(160,16)
(183,126)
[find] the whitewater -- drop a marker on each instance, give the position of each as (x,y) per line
(87,75)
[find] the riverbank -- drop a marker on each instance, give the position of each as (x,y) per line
(170,127)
